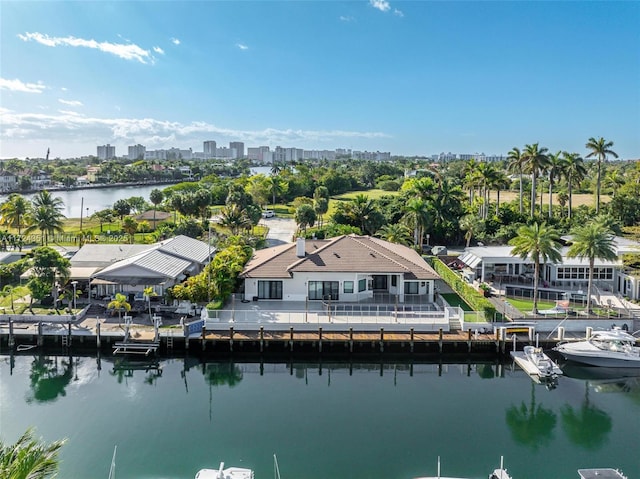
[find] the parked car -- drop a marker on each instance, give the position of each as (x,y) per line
(268,214)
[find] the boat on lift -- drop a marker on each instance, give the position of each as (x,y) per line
(536,363)
(500,473)
(222,473)
(613,348)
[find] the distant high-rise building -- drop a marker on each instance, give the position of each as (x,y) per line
(106,152)
(239,147)
(137,152)
(210,149)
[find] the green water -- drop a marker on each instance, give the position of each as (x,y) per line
(323,420)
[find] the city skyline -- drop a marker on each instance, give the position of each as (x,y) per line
(412,78)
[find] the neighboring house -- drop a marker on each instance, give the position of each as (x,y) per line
(92,173)
(8,182)
(149,216)
(113,268)
(346,268)
(495,264)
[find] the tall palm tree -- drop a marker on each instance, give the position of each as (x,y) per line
(574,171)
(591,241)
(234,217)
(47,219)
(539,243)
(362,209)
(14,210)
(119,303)
(516,165)
(555,169)
(417,216)
(500,182)
(29,458)
(44,198)
(613,180)
(600,148)
(471,225)
(535,160)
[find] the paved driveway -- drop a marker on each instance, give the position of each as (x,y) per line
(281,230)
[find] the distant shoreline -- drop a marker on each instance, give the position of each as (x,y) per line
(94,186)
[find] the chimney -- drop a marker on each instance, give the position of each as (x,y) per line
(300,248)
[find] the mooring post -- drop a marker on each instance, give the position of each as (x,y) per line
(261,338)
(203,336)
(291,338)
(411,340)
(12,340)
(351,339)
(98,338)
(320,339)
(498,340)
(440,339)
(69,336)
(381,340)
(40,339)
(469,339)
(231,338)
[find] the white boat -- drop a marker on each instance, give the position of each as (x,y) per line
(222,473)
(613,348)
(606,473)
(536,363)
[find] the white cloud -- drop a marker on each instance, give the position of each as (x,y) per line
(242,46)
(398,13)
(158,50)
(74,127)
(381,5)
(70,102)
(175,41)
(63,88)
(344,18)
(18,85)
(129,51)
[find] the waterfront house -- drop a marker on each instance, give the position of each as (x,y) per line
(153,217)
(347,268)
(8,182)
(112,268)
(496,265)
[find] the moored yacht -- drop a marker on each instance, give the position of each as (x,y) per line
(613,348)
(222,473)
(605,473)
(536,363)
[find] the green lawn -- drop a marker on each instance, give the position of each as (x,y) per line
(372,194)
(454,300)
(526,305)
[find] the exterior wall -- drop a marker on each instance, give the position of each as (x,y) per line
(296,288)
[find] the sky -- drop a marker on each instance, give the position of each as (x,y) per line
(408,77)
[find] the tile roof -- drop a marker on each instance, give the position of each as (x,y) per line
(358,254)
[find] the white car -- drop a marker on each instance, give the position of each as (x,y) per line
(268,214)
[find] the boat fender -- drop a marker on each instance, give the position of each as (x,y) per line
(625,327)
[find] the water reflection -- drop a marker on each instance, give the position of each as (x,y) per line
(124,368)
(49,378)
(531,425)
(221,374)
(588,426)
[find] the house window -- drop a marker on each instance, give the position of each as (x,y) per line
(324,290)
(362,285)
(270,289)
(347,287)
(411,287)
(394,280)
(379,282)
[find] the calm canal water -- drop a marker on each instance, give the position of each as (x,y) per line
(323,420)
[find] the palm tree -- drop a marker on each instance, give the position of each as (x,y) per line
(395,233)
(44,198)
(362,210)
(417,216)
(471,225)
(14,210)
(574,170)
(591,241)
(148,294)
(119,303)
(277,187)
(516,165)
(156,196)
(531,425)
(500,182)
(600,148)
(535,160)
(613,180)
(234,217)
(130,226)
(47,219)
(541,244)
(555,169)
(29,458)
(8,291)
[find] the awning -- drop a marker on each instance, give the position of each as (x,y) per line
(470,259)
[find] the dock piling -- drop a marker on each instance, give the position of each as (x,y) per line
(231,338)
(320,339)
(12,339)
(381,340)
(261,338)
(291,338)
(411,340)
(40,339)
(351,339)
(98,338)
(440,339)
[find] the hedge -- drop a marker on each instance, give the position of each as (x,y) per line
(472,297)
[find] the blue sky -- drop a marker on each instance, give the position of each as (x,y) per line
(412,78)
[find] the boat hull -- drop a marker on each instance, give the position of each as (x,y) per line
(603,361)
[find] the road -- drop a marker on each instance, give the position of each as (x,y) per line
(281,230)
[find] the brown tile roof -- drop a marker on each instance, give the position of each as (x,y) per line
(358,254)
